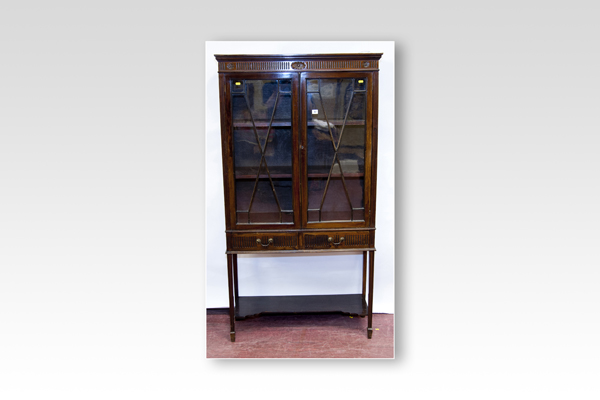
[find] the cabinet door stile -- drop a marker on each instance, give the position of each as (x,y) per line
(297,154)
(226,145)
(374,136)
(302,133)
(369,151)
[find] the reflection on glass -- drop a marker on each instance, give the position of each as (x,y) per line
(336,113)
(262,143)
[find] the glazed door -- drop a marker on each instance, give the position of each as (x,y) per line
(263,150)
(337,157)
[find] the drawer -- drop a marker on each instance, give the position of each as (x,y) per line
(336,240)
(262,241)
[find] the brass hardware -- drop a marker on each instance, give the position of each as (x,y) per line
(269,242)
(330,240)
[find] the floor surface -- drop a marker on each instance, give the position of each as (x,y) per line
(300,336)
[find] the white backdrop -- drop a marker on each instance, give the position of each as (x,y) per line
(306,274)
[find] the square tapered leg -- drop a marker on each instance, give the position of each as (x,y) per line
(370,305)
(230,280)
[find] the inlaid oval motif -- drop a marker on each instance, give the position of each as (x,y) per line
(298,65)
(366,64)
(230,66)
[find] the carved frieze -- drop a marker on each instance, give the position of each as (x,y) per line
(299,65)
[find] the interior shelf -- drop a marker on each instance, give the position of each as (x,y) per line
(346,175)
(338,122)
(261,124)
(251,306)
(288,124)
(289,176)
(264,176)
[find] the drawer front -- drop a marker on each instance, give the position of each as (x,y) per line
(262,241)
(336,240)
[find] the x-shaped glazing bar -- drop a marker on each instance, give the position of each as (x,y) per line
(335,155)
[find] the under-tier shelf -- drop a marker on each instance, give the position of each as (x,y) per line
(251,306)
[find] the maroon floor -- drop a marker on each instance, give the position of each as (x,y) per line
(300,336)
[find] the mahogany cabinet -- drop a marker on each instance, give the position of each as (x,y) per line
(299,143)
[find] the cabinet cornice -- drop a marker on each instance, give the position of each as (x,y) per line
(298,62)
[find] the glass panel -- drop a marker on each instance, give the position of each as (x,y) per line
(288,216)
(360,84)
(262,143)
(335,205)
(312,85)
(359,214)
(336,132)
(237,86)
(285,86)
(264,207)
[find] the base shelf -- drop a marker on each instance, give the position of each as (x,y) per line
(253,306)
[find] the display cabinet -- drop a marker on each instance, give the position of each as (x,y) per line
(299,144)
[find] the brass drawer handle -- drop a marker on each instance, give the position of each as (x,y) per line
(269,242)
(330,240)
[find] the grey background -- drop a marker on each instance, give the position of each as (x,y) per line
(101,198)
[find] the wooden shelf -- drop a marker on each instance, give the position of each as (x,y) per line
(289,176)
(249,125)
(288,124)
(346,175)
(265,176)
(252,306)
(338,122)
